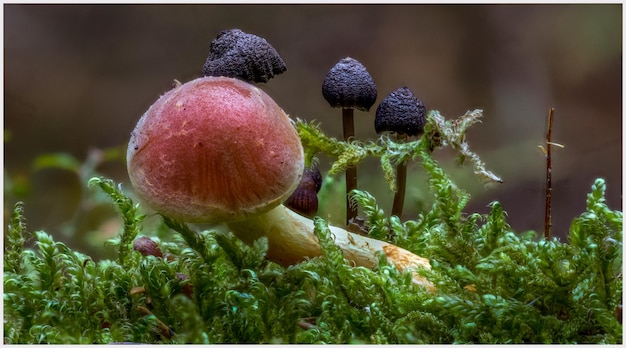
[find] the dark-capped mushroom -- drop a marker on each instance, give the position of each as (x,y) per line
(248,57)
(402,113)
(349,86)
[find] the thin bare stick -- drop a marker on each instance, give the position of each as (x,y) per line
(348,132)
(548,215)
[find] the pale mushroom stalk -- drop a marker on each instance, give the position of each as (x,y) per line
(220,150)
(292,240)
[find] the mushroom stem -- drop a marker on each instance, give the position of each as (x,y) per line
(398,198)
(291,240)
(351,182)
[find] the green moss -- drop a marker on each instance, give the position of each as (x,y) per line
(493,285)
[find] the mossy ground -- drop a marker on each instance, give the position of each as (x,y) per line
(493,285)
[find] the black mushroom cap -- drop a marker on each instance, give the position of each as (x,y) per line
(349,85)
(401,112)
(247,57)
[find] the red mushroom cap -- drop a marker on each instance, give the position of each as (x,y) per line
(214,149)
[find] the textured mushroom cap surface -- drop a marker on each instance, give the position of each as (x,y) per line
(214,149)
(251,58)
(401,112)
(349,85)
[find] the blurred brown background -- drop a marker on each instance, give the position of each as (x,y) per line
(78,77)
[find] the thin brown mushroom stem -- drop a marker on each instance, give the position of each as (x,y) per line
(351,176)
(398,198)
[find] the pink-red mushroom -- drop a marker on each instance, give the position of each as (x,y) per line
(214,149)
(217,149)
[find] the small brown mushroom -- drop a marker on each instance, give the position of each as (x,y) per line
(304,199)
(147,246)
(217,149)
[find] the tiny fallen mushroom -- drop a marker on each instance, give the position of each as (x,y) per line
(162,328)
(217,149)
